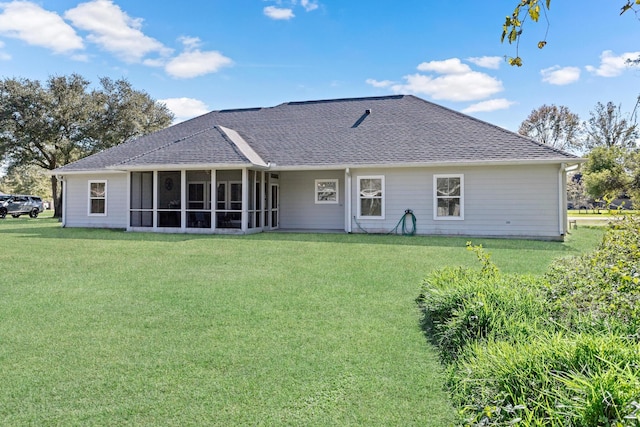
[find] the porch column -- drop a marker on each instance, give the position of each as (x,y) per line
(263,204)
(155,200)
(347,200)
(183,199)
(245,200)
(129,201)
(213,199)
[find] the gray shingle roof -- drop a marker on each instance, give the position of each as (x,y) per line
(400,129)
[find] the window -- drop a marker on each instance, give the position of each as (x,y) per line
(97,197)
(326,191)
(371,197)
(449,196)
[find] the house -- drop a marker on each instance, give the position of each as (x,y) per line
(351,165)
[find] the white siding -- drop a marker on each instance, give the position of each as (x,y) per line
(498,201)
(76,189)
(298,209)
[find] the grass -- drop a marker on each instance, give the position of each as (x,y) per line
(105,327)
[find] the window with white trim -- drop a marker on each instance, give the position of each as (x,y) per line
(448,197)
(371,197)
(326,191)
(98,198)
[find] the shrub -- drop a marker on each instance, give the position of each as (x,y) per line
(562,350)
(552,379)
(600,290)
(461,306)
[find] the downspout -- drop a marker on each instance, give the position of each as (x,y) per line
(347,198)
(60,179)
(562,200)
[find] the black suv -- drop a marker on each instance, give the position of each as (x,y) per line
(16,205)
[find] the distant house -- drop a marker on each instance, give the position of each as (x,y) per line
(353,165)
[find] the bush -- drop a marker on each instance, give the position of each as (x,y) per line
(551,379)
(560,350)
(600,290)
(461,306)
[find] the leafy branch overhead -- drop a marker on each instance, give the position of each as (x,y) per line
(533,9)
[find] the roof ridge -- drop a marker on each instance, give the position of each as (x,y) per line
(137,156)
(238,110)
(241,145)
(365,98)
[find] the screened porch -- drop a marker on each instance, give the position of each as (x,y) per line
(222,200)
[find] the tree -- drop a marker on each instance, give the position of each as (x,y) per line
(28,179)
(608,128)
(633,166)
(555,126)
(62,121)
(604,173)
(532,9)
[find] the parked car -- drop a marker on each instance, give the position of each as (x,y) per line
(16,205)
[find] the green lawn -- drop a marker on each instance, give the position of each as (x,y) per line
(112,328)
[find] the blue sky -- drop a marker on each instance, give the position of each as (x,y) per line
(202,55)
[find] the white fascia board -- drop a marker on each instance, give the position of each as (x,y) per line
(191,166)
(243,146)
(58,172)
(276,167)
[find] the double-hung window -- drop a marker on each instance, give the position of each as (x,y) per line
(448,197)
(326,191)
(97,198)
(371,197)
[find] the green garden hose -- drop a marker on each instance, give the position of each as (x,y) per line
(406,229)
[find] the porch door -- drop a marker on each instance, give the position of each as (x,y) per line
(196,195)
(274,203)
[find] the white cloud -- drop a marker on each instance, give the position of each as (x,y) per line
(309,5)
(449,80)
(379,84)
(195,63)
(3,55)
(560,76)
(38,27)
(490,105)
(155,62)
(80,57)
(115,31)
(492,62)
(190,43)
(278,13)
(457,82)
(448,66)
(612,65)
(185,108)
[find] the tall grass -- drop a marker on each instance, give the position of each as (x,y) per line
(560,349)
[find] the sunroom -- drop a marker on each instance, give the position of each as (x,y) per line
(233,201)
